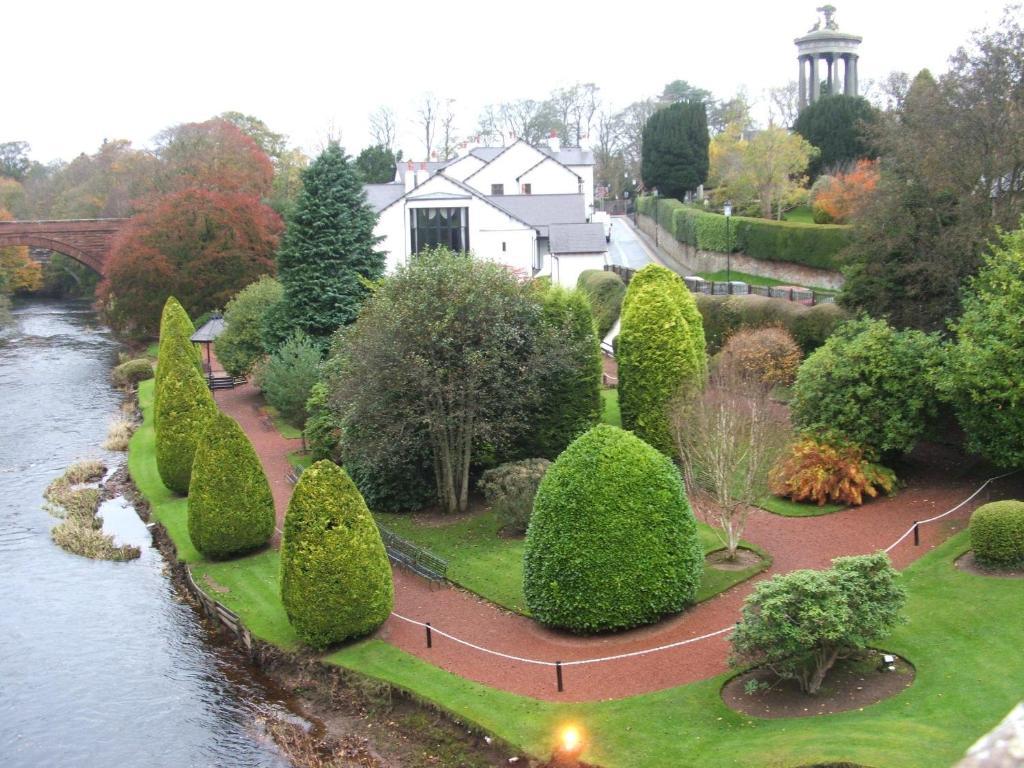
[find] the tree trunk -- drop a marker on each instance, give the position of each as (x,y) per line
(826,659)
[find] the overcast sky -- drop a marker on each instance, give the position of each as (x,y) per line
(79,72)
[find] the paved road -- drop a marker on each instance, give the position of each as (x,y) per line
(626,249)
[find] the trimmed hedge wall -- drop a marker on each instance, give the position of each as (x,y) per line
(335,576)
(605,291)
(809,326)
(813,245)
(230,508)
(657,355)
(612,543)
(997,533)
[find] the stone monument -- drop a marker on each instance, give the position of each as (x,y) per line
(821,52)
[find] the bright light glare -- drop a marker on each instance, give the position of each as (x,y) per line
(570,738)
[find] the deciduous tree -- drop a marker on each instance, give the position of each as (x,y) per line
(215,155)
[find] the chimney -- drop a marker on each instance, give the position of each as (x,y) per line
(410,176)
(554,142)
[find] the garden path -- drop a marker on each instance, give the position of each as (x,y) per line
(936,482)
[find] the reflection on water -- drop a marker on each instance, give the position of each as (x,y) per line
(100,665)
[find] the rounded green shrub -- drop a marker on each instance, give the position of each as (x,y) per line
(997,533)
(605,290)
(130,373)
(510,490)
(335,577)
(656,360)
(181,415)
(612,542)
(230,508)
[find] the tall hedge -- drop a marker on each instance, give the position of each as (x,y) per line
(605,291)
(612,543)
(569,386)
(657,355)
(335,577)
(230,508)
(181,415)
(869,384)
(813,245)
(176,331)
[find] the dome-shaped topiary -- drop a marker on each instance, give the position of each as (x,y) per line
(230,508)
(181,415)
(612,542)
(997,533)
(335,577)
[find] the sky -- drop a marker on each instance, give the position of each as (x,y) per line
(127,70)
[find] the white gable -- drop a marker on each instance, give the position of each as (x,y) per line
(549,177)
(463,167)
(506,168)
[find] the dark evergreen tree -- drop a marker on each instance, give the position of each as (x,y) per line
(328,250)
(376,164)
(839,126)
(674,155)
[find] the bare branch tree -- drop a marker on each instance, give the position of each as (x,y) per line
(384,127)
(449,138)
(728,437)
(427,115)
(784,104)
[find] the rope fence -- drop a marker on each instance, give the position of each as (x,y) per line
(431,630)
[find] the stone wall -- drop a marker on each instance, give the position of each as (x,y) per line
(711,261)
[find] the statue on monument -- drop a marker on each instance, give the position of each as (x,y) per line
(829,11)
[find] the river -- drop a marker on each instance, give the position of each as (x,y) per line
(100,664)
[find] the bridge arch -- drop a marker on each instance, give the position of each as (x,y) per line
(88,241)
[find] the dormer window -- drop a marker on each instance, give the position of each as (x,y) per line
(497,189)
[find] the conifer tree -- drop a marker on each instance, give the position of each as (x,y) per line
(328,250)
(674,153)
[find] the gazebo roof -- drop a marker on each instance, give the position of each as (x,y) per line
(209,330)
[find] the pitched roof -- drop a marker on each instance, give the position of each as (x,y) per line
(540,211)
(549,159)
(486,153)
(570,155)
(433,167)
(380,196)
(209,330)
(577,238)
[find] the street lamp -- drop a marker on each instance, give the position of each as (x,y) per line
(727,210)
(657,241)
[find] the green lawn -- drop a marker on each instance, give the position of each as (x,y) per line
(484,563)
(610,407)
(801,215)
(300,460)
(152,349)
(968,663)
(786,508)
(963,637)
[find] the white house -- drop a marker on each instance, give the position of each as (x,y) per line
(522,206)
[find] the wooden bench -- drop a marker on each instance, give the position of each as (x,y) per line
(416,559)
(224,382)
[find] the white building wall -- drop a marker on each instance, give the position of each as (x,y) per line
(505,168)
(463,167)
(551,178)
(566,269)
(586,172)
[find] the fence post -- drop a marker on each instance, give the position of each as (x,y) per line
(917,534)
(430,639)
(558,675)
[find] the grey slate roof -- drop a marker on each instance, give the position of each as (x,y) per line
(486,153)
(570,155)
(540,211)
(209,330)
(380,196)
(402,166)
(577,238)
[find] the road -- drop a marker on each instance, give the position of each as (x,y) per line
(625,248)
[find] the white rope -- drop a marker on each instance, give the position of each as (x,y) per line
(680,643)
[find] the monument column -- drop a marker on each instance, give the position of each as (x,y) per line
(853,60)
(803,80)
(815,79)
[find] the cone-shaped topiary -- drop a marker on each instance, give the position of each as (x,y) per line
(612,542)
(656,360)
(655,274)
(230,508)
(176,331)
(335,577)
(181,415)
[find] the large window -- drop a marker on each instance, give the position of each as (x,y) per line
(439,226)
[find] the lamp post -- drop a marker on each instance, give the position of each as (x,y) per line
(727,210)
(657,241)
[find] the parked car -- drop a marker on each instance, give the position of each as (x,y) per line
(600,217)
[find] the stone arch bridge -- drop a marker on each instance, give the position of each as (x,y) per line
(88,241)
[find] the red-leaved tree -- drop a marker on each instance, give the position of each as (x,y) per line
(199,245)
(214,155)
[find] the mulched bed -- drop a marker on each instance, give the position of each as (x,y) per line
(966,562)
(851,684)
(744,559)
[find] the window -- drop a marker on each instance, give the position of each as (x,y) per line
(497,189)
(439,226)
(527,189)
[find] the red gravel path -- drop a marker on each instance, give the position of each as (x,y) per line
(936,483)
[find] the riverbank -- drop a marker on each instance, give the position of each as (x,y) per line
(359,713)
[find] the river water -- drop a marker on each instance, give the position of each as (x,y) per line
(100,665)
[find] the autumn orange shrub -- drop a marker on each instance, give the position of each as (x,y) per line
(767,356)
(842,195)
(822,473)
